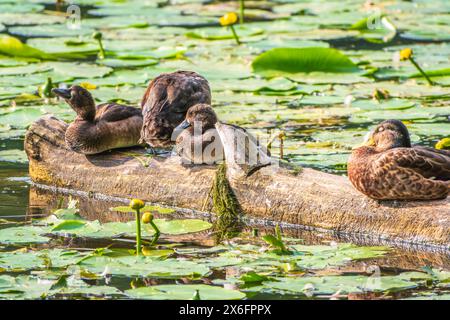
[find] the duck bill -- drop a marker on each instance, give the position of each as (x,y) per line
(63,93)
(184,125)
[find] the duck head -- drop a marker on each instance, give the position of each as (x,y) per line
(389,134)
(80,100)
(201,114)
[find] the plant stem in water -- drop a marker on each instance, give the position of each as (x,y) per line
(421,71)
(235,35)
(157,233)
(138,232)
(101,54)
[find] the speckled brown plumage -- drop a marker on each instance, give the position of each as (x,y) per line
(389,168)
(97,129)
(166,101)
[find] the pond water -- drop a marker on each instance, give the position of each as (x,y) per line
(84,251)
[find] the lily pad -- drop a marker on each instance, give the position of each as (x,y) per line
(184,292)
(220,33)
(23,235)
(144,266)
(345,284)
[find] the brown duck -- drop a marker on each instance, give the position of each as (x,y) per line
(199,141)
(387,167)
(204,139)
(97,129)
(166,101)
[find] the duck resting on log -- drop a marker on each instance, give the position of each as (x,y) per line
(99,128)
(202,138)
(387,167)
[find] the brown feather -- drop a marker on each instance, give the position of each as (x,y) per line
(399,172)
(166,101)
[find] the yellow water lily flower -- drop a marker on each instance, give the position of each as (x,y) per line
(405,54)
(147,217)
(136,204)
(228,19)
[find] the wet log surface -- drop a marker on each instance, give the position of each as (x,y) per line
(310,198)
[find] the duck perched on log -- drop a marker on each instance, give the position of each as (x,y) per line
(99,128)
(204,139)
(387,167)
(199,141)
(166,101)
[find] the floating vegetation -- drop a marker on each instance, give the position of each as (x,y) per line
(323,72)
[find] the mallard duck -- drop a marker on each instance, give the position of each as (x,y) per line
(166,101)
(99,128)
(387,167)
(204,139)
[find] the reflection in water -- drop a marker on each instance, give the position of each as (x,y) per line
(14,184)
(406,258)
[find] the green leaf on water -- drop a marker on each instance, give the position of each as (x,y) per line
(184,292)
(23,235)
(14,47)
(288,61)
(253,277)
(69,225)
(345,284)
(130,266)
(219,33)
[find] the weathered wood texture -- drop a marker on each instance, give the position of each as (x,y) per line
(310,198)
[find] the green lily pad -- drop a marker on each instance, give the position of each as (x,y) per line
(282,61)
(184,292)
(78,70)
(144,266)
(29,18)
(22,8)
(23,287)
(345,284)
(221,33)
(50,30)
(23,235)
(126,63)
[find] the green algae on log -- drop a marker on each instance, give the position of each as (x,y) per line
(310,198)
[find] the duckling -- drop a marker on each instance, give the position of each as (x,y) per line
(199,141)
(387,167)
(166,101)
(97,129)
(204,139)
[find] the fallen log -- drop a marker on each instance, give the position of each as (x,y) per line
(307,198)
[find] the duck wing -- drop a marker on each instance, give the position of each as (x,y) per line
(430,149)
(166,101)
(410,173)
(112,112)
(423,161)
